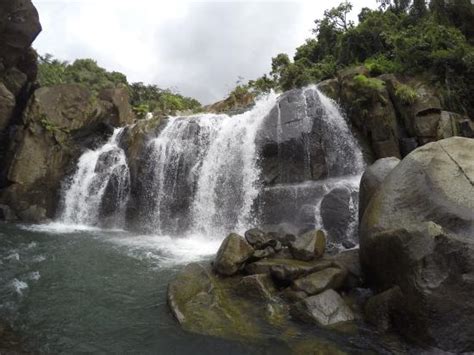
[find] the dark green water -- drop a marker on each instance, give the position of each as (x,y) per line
(96,292)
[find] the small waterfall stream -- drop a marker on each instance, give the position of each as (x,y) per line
(99,188)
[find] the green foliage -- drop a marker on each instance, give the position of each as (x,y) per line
(380,64)
(368,84)
(406,94)
(143,98)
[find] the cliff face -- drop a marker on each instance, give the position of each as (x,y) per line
(43,130)
(396,114)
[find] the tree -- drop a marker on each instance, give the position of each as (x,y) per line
(397,6)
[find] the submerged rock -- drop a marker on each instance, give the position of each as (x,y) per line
(309,246)
(327,308)
(417,234)
(232,254)
(317,282)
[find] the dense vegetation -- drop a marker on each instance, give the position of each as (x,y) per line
(401,36)
(144,98)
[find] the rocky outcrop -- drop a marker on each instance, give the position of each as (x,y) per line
(417,235)
(395,113)
(57,125)
(252,299)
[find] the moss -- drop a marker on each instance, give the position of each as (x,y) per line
(369,84)
(406,94)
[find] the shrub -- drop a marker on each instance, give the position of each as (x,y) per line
(406,94)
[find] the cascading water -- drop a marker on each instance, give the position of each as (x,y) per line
(203,176)
(313,173)
(100,186)
(289,160)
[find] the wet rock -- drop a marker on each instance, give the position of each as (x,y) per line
(257,238)
(259,287)
(204,304)
(327,308)
(416,233)
(309,246)
(317,282)
(291,266)
(379,308)
(263,253)
(373,176)
(232,254)
(6,214)
(350,261)
(336,214)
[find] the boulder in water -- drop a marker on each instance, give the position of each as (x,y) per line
(258,286)
(232,254)
(327,308)
(256,238)
(417,234)
(309,246)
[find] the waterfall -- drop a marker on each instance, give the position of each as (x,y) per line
(291,160)
(99,187)
(203,174)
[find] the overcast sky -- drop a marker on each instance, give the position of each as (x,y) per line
(199,48)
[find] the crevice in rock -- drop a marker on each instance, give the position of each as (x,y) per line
(457,164)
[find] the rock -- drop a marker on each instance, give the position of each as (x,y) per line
(350,261)
(330,88)
(204,304)
(256,238)
(6,214)
(19,26)
(15,81)
(373,176)
(7,106)
(292,296)
(287,272)
(287,268)
(416,233)
(327,308)
(320,281)
(379,308)
(232,254)
(309,246)
(336,214)
(120,99)
(259,287)
(263,253)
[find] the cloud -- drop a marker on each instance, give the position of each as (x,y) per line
(198,48)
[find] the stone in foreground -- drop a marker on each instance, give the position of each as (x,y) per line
(327,308)
(309,246)
(330,278)
(233,253)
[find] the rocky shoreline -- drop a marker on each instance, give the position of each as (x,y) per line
(413,275)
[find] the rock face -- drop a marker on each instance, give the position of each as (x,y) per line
(58,123)
(233,252)
(393,124)
(337,214)
(372,178)
(417,234)
(327,308)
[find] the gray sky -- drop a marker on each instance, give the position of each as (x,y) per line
(199,48)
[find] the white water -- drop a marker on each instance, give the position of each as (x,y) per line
(84,193)
(204,176)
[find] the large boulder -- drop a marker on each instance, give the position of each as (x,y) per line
(232,254)
(372,178)
(19,26)
(417,234)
